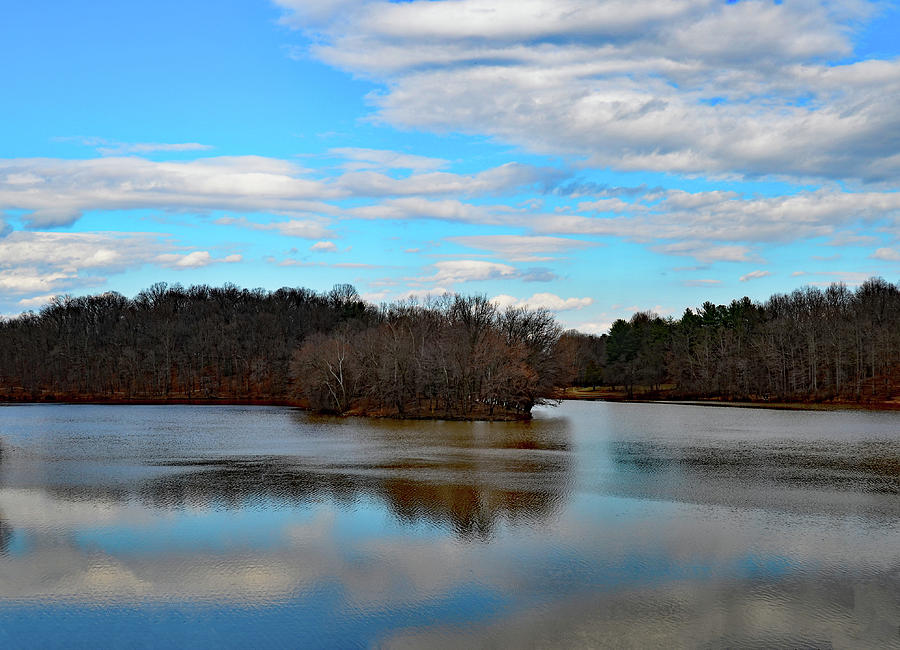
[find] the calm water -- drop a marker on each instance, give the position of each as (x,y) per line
(594,525)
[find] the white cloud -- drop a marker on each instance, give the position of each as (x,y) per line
(490,181)
(730,217)
(851,239)
(25,280)
(324,247)
(71,252)
(678,86)
(36,301)
(358,159)
(887,254)
(116,148)
(55,192)
(408,208)
(194,260)
(753,275)
(705,282)
(451,272)
(542,300)
(706,253)
(519,248)
(614,205)
(454,271)
(38,264)
(375,296)
(594,327)
(314,228)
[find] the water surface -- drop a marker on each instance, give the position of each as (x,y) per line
(596,524)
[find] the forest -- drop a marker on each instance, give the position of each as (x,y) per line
(811,345)
(455,357)
(452,357)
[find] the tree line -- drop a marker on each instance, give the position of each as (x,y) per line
(454,357)
(809,345)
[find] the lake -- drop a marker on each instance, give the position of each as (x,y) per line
(595,524)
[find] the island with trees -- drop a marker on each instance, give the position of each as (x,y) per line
(457,357)
(453,357)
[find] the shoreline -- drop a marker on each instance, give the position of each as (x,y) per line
(175,401)
(6,400)
(608,396)
(602,396)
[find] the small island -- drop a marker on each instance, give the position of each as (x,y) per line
(453,357)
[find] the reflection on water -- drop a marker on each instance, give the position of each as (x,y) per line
(864,467)
(466,494)
(595,524)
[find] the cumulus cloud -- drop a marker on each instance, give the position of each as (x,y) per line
(851,239)
(522,248)
(55,192)
(403,209)
(324,247)
(613,205)
(753,275)
(542,301)
(24,280)
(455,271)
(451,272)
(718,226)
(490,181)
(683,86)
(594,327)
(707,253)
(41,263)
(538,274)
(116,148)
(358,158)
(36,301)
(887,254)
(194,260)
(71,252)
(731,217)
(313,228)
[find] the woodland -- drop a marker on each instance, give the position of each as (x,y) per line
(455,356)
(811,345)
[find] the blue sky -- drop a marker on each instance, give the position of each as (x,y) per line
(594,158)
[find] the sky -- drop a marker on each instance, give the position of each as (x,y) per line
(593,158)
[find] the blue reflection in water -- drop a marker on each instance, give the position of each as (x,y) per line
(214,531)
(318,619)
